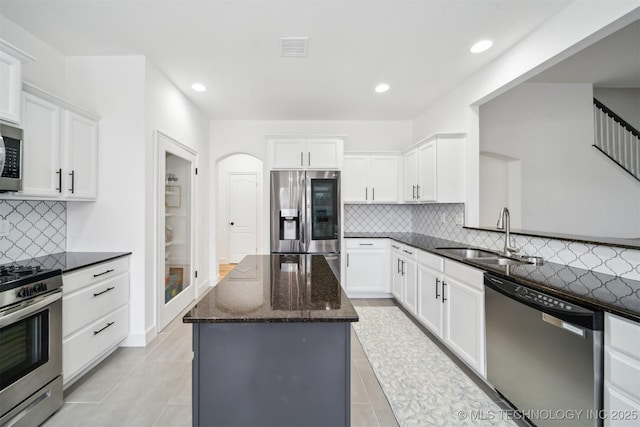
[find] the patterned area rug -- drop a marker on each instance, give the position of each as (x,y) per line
(423,386)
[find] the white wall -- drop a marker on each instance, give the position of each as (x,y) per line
(115,88)
(170,112)
(249,137)
(581,23)
(625,102)
(48,70)
(567,186)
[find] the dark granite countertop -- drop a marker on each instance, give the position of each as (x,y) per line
(70,261)
(588,288)
(276,288)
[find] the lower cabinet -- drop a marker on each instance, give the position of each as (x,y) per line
(367,268)
(621,372)
(451,306)
(404,275)
(95,315)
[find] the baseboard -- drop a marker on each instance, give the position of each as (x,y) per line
(364,294)
(140,340)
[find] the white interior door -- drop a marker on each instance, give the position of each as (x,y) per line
(176,207)
(243,215)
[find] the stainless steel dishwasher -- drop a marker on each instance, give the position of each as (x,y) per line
(544,354)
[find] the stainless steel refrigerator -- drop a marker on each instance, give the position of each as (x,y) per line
(305,212)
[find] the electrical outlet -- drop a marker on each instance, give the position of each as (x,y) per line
(5,227)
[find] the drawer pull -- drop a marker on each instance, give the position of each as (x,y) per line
(395,247)
(106,290)
(365,244)
(406,251)
(103,273)
(100,330)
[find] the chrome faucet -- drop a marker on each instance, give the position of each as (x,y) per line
(504,223)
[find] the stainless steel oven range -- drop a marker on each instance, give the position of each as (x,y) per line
(30,344)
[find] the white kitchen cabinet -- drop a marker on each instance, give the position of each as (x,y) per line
(60,149)
(367,268)
(464,325)
(95,315)
(430,284)
(621,372)
(11,59)
(404,272)
(434,170)
(370,178)
(306,153)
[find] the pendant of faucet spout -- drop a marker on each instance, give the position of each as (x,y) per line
(504,223)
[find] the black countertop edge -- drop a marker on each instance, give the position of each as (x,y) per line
(71,261)
(518,274)
(592,240)
(310,319)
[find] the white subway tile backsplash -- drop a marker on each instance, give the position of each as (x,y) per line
(438,220)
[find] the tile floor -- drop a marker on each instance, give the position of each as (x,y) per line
(151,386)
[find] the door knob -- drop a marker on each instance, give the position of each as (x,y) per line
(231,223)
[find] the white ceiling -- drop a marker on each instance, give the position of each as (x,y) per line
(419,47)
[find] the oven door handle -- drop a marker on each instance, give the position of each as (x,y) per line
(28,308)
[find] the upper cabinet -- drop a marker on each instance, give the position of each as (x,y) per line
(371,178)
(305,152)
(434,170)
(60,149)
(11,59)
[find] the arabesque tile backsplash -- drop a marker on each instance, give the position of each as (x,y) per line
(36,228)
(439,220)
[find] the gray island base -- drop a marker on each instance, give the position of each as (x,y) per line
(272,346)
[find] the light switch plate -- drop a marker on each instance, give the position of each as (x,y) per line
(5,227)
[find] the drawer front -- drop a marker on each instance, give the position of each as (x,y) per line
(430,260)
(623,373)
(80,349)
(89,304)
(469,275)
(622,335)
(94,274)
(367,243)
(409,252)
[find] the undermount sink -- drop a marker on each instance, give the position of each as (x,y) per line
(482,256)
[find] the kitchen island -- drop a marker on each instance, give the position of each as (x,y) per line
(272,345)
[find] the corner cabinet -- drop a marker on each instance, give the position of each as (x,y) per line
(621,372)
(11,59)
(95,315)
(367,268)
(305,152)
(60,149)
(370,178)
(434,170)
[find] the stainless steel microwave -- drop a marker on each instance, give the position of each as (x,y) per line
(10,158)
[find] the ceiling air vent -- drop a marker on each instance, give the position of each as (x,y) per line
(293,46)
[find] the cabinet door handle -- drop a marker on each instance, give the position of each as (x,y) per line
(309,159)
(399,265)
(100,330)
(73,181)
(301,159)
(413,192)
(366,193)
(373,194)
(347,260)
(105,291)
(437,295)
(417,192)
(103,273)
(403,263)
(59,172)
(443,285)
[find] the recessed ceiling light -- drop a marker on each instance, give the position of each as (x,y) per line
(198,87)
(481,46)
(382,87)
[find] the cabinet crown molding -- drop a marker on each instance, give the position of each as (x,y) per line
(434,136)
(48,96)
(15,52)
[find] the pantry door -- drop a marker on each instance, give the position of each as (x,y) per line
(176,287)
